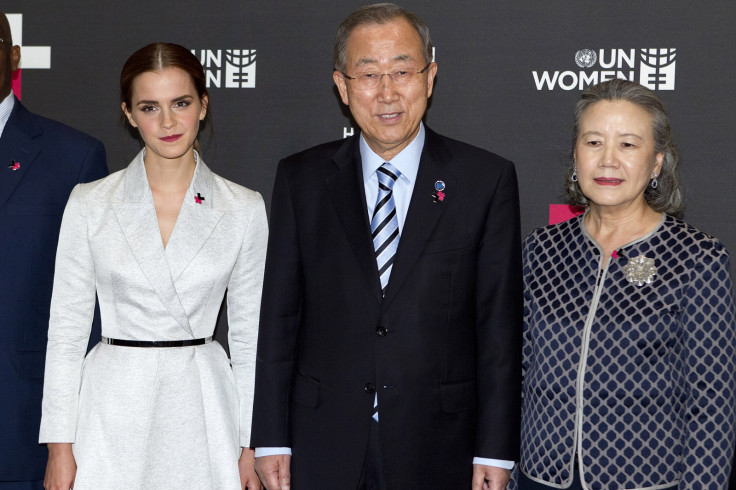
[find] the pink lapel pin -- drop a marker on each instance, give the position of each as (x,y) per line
(14,165)
(614,255)
(198,198)
(439,195)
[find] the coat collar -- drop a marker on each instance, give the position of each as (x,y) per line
(136,214)
(348,196)
(423,213)
(17,143)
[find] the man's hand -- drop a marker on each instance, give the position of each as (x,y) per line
(61,468)
(490,477)
(246,465)
(274,471)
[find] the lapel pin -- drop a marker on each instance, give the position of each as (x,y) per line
(14,165)
(439,195)
(198,198)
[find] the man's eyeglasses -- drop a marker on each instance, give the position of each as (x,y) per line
(371,80)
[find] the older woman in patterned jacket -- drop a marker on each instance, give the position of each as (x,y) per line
(629,353)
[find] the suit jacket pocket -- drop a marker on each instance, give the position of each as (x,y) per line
(306,390)
(36,209)
(458,397)
(438,249)
(30,364)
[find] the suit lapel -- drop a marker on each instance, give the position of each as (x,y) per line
(136,216)
(195,222)
(348,197)
(17,144)
(423,212)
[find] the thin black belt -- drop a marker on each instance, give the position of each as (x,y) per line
(156,343)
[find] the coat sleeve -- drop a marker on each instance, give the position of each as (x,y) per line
(527,251)
(94,167)
(708,368)
(499,324)
(243,308)
(94,164)
(72,309)
(282,294)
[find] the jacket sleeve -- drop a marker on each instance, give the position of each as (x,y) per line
(94,167)
(72,309)
(282,295)
(243,307)
(527,252)
(708,368)
(499,324)
(94,164)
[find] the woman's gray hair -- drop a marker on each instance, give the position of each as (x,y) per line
(379,13)
(668,196)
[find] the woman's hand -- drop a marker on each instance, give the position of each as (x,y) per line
(247,467)
(61,468)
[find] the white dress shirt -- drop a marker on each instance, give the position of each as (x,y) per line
(6,107)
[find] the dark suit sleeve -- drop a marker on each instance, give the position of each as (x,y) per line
(280,305)
(499,324)
(94,165)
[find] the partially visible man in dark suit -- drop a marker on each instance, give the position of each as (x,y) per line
(390,336)
(40,162)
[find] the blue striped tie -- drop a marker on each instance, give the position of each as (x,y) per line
(385,232)
(385,224)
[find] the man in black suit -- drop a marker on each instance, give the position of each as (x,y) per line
(40,162)
(390,336)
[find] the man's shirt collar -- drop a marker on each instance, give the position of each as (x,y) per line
(6,107)
(406,162)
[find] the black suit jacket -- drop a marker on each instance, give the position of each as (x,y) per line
(53,158)
(442,349)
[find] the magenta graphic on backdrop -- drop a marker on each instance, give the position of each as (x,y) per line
(563,212)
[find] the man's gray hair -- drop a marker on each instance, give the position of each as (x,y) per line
(379,13)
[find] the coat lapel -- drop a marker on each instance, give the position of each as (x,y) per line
(17,144)
(348,197)
(195,223)
(136,216)
(423,212)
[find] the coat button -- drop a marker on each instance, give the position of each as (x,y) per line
(369,388)
(381,331)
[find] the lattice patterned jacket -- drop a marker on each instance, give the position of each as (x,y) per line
(639,380)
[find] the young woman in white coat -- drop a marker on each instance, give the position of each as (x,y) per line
(157,404)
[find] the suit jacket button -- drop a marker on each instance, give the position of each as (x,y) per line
(381,331)
(369,388)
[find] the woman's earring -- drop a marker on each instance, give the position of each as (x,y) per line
(654,182)
(574,176)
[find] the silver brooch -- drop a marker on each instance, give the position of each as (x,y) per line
(640,270)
